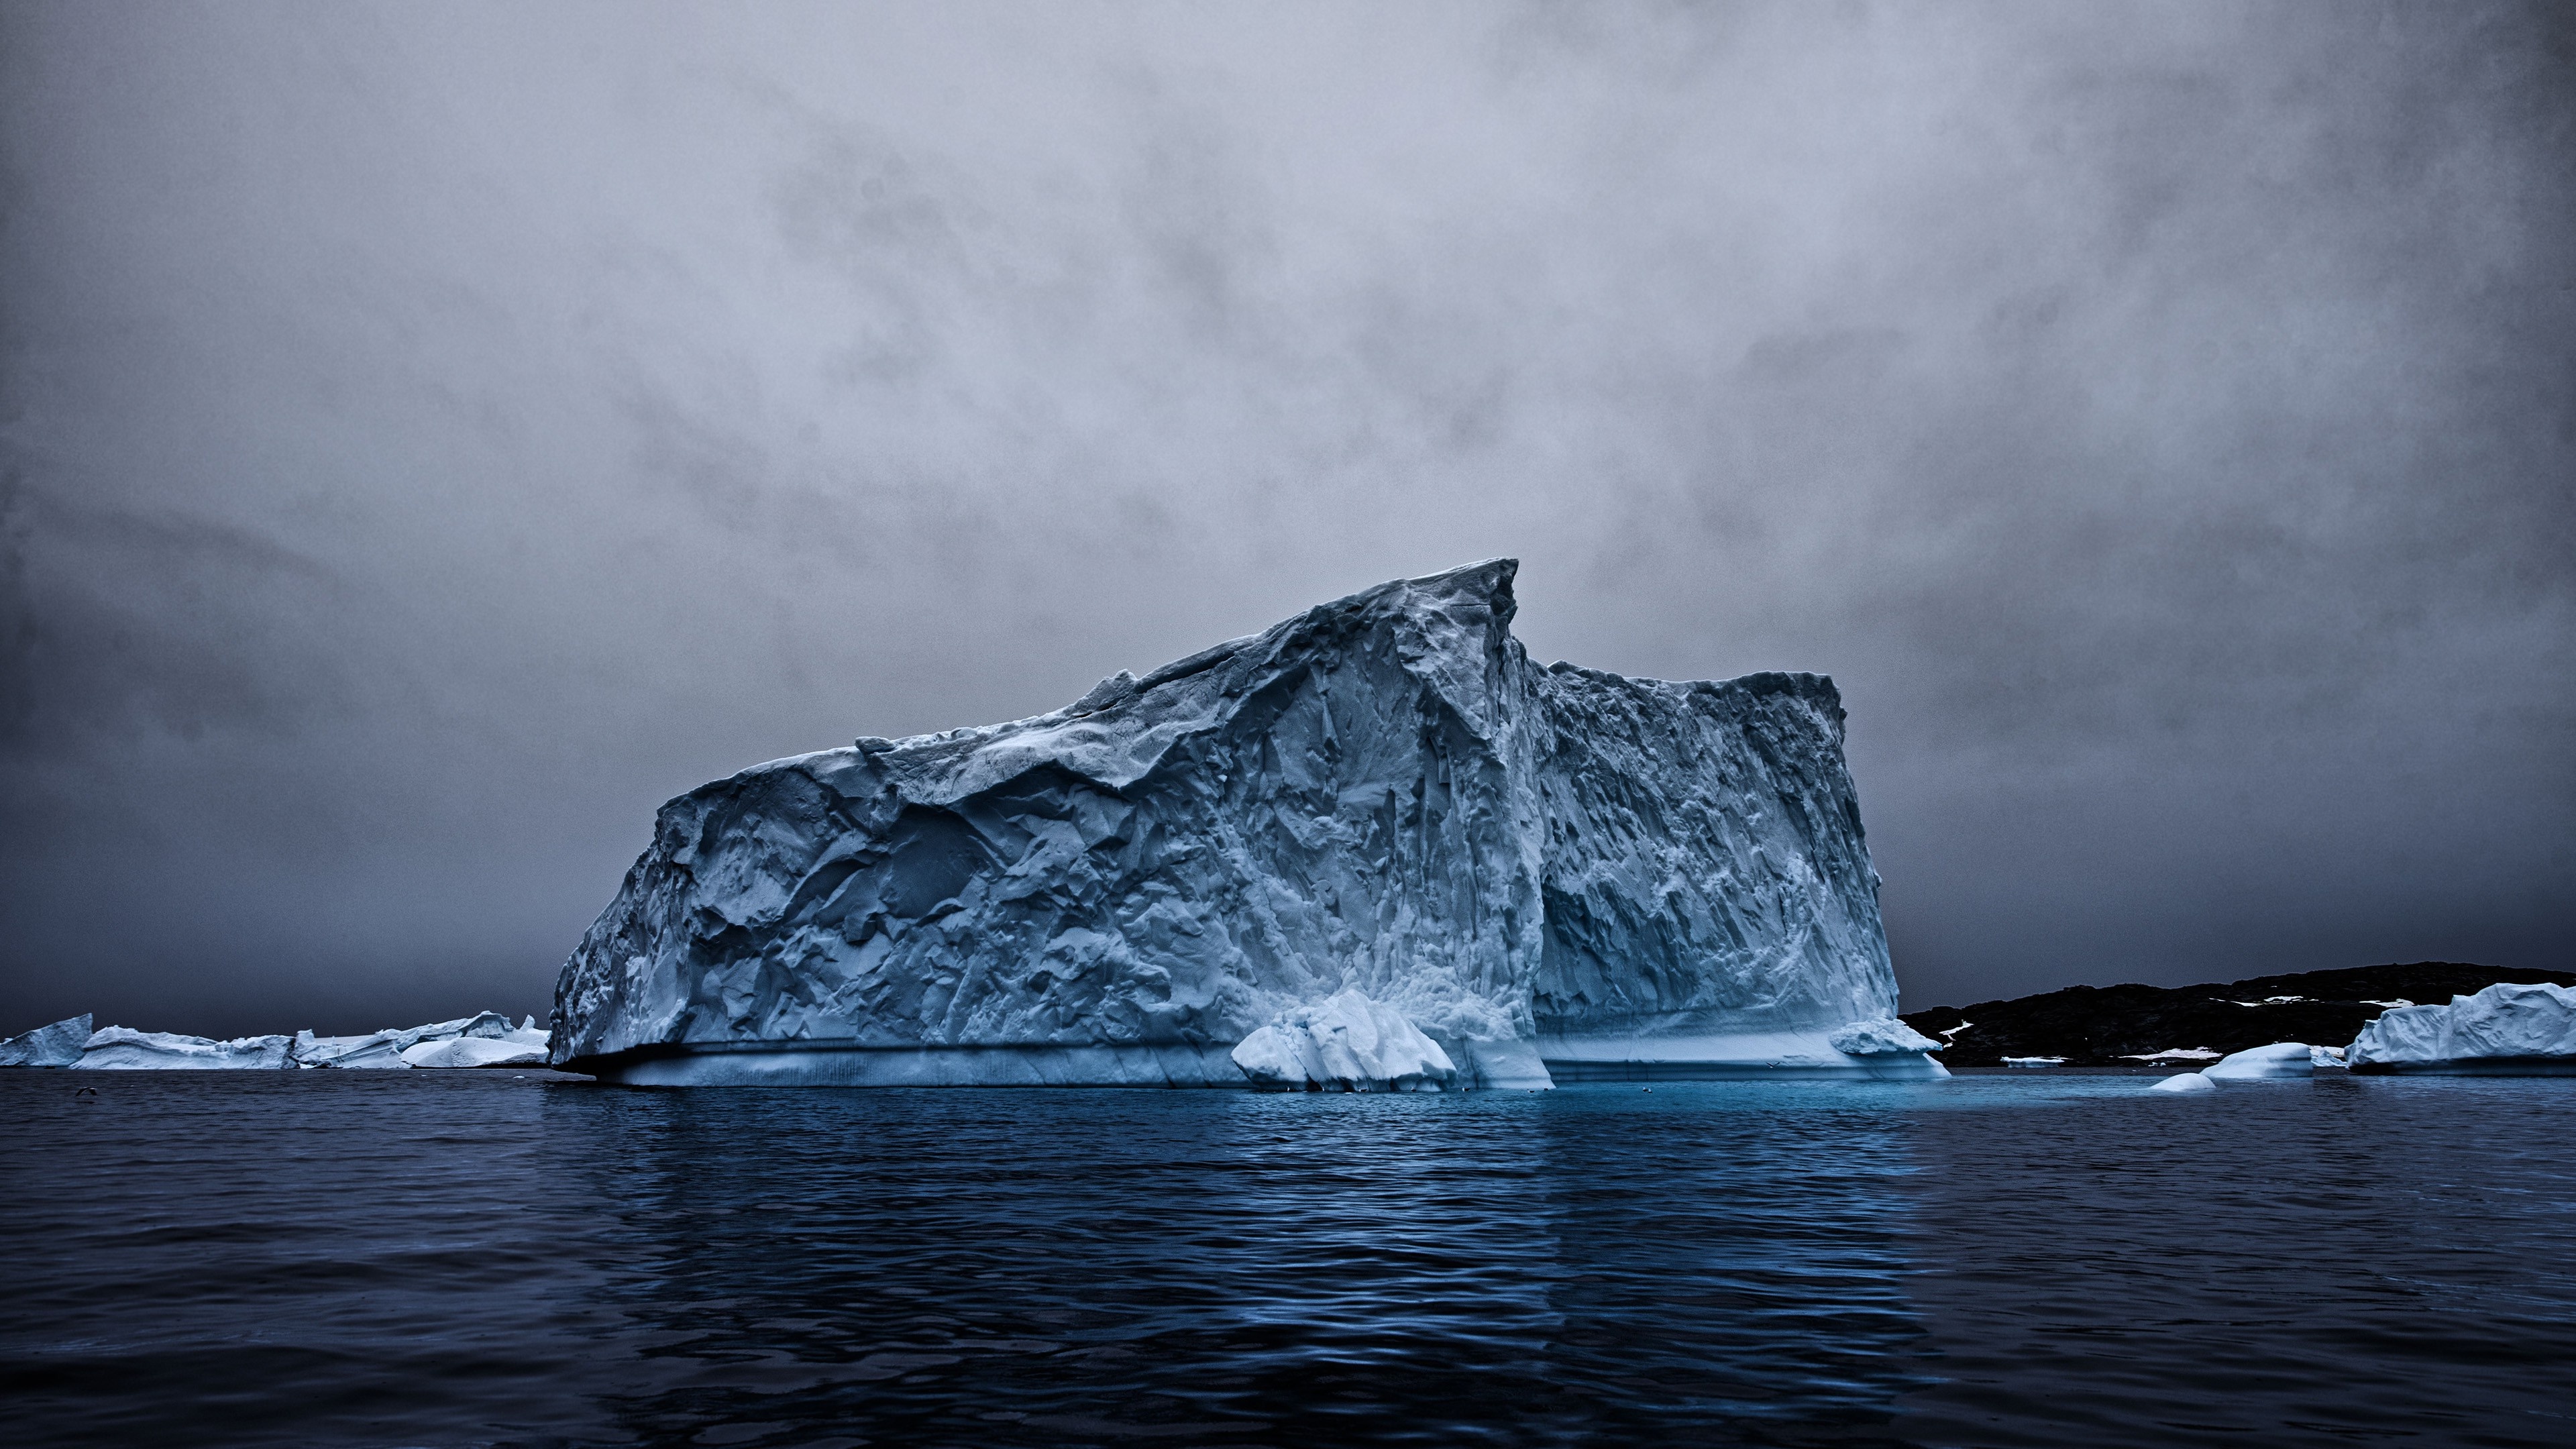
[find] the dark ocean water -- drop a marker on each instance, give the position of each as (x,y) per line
(471,1258)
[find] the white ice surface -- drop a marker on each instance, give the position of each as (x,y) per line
(56,1045)
(2326,1056)
(1383,794)
(2034,1061)
(119,1048)
(1348,1043)
(2280,1059)
(2173,1054)
(2186,1082)
(478,1051)
(2507,1028)
(1882,1036)
(390,1048)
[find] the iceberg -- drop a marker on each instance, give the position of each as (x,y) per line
(123,1049)
(2254,1064)
(2185,1082)
(1547,873)
(1349,1044)
(2508,1029)
(393,1048)
(477,1051)
(57,1045)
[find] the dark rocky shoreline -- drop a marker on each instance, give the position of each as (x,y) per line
(2112,1025)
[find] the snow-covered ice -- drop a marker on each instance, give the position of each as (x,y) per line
(2280,1059)
(2185,1082)
(1544,871)
(476,1051)
(56,1045)
(2326,1056)
(2510,1028)
(2034,1061)
(2173,1054)
(1350,1044)
(393,1047)
(120,1048)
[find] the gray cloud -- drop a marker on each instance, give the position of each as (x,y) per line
(434,436)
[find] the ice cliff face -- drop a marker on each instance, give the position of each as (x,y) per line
(1381,795)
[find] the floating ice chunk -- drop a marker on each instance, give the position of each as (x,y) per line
(388,1049)
(2508,1029)
(2034,1061)
(119,1048)
(1880,1036)
(477,1051)
(2173,1054)
(58,1045)
(2185,1082)
(1350,1044)
(2280,1059)
(2326,1056)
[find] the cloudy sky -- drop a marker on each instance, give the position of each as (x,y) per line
(432,435)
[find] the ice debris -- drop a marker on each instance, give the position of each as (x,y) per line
(2280,1059)
(2509,1029)
(1348,1044)
(58,1045)
(2185,1082)
(1610,876)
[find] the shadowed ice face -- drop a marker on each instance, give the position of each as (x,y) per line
(436,435)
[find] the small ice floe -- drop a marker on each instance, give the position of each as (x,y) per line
(2254,1064)
(2173,1054)
(123,1049)
(2034,1061)
(2185,1082)
(2388,1005)
(57,1045)
(1348,1044)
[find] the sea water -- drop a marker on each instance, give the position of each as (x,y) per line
(462,1258)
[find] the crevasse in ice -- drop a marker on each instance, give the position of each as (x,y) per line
(1545,872)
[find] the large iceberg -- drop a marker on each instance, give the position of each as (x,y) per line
(57,1045)
(1547,873)
(2508,1029)
(2264,1063)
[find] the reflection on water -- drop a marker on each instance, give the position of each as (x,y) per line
(419,1258)
(1231,1268)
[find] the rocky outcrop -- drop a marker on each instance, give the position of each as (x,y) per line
(1545,871)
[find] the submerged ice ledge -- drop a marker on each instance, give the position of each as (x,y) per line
(1373,847)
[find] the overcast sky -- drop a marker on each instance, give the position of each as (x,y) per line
(436,434)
